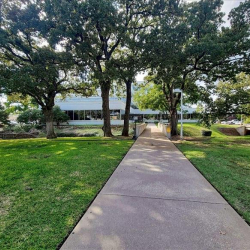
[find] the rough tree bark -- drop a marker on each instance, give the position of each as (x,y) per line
(173,121)
(48,113)
(105,88)
(168,91)
(172,101)
(125,131)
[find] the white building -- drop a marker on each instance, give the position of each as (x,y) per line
(88,111)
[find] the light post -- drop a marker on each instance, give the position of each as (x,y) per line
(135,119)
(180,91)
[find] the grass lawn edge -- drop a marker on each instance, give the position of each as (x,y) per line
(234,208)
(238,200)
(84,212)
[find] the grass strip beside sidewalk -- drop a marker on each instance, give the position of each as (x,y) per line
(225,163)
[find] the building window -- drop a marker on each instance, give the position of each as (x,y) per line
(115,114)
(88,115)
(81,114)
(76,115)
(94,114)
(99,115)
(71,114)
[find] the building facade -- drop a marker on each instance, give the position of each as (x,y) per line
(88,111)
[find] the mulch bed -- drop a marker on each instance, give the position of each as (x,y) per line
(229,131)
(17,135)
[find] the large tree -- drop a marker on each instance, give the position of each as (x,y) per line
(29,65)
(131,60)
(192,45)
(97,28)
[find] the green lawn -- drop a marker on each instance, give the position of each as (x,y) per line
(225,162)
(194,130)
(46,185)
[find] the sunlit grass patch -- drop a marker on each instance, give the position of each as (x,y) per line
(46,185)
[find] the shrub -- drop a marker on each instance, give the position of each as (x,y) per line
(247,120)
(59,116)
(72,134)
(3,116)
(35,116)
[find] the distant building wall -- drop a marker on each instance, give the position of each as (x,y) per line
(95,122)
(88,111)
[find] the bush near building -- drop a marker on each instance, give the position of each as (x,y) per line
(35,116)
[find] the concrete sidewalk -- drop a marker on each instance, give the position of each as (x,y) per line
(156,199)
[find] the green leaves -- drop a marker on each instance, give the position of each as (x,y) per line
(240,16)
(30,65)
(3,115)
(192,46)
(233,96)
(35,116)
(152,97)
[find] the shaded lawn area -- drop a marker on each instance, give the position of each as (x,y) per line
(225,162)
(45,186)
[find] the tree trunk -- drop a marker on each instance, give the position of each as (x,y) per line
(173,121)
(125,131)
(105,88)
(48,113)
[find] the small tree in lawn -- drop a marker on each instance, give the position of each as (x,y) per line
(29,65)
(151,96)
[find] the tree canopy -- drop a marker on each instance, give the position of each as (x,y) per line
(233,97)
(29,65)
(95,30)
(56,47)
(152,97)
(192,45)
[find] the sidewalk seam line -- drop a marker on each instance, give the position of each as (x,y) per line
(167,199)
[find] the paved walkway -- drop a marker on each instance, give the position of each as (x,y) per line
(157,200)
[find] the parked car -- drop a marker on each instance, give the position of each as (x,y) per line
(237,122)
(13,123)
(234,122)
